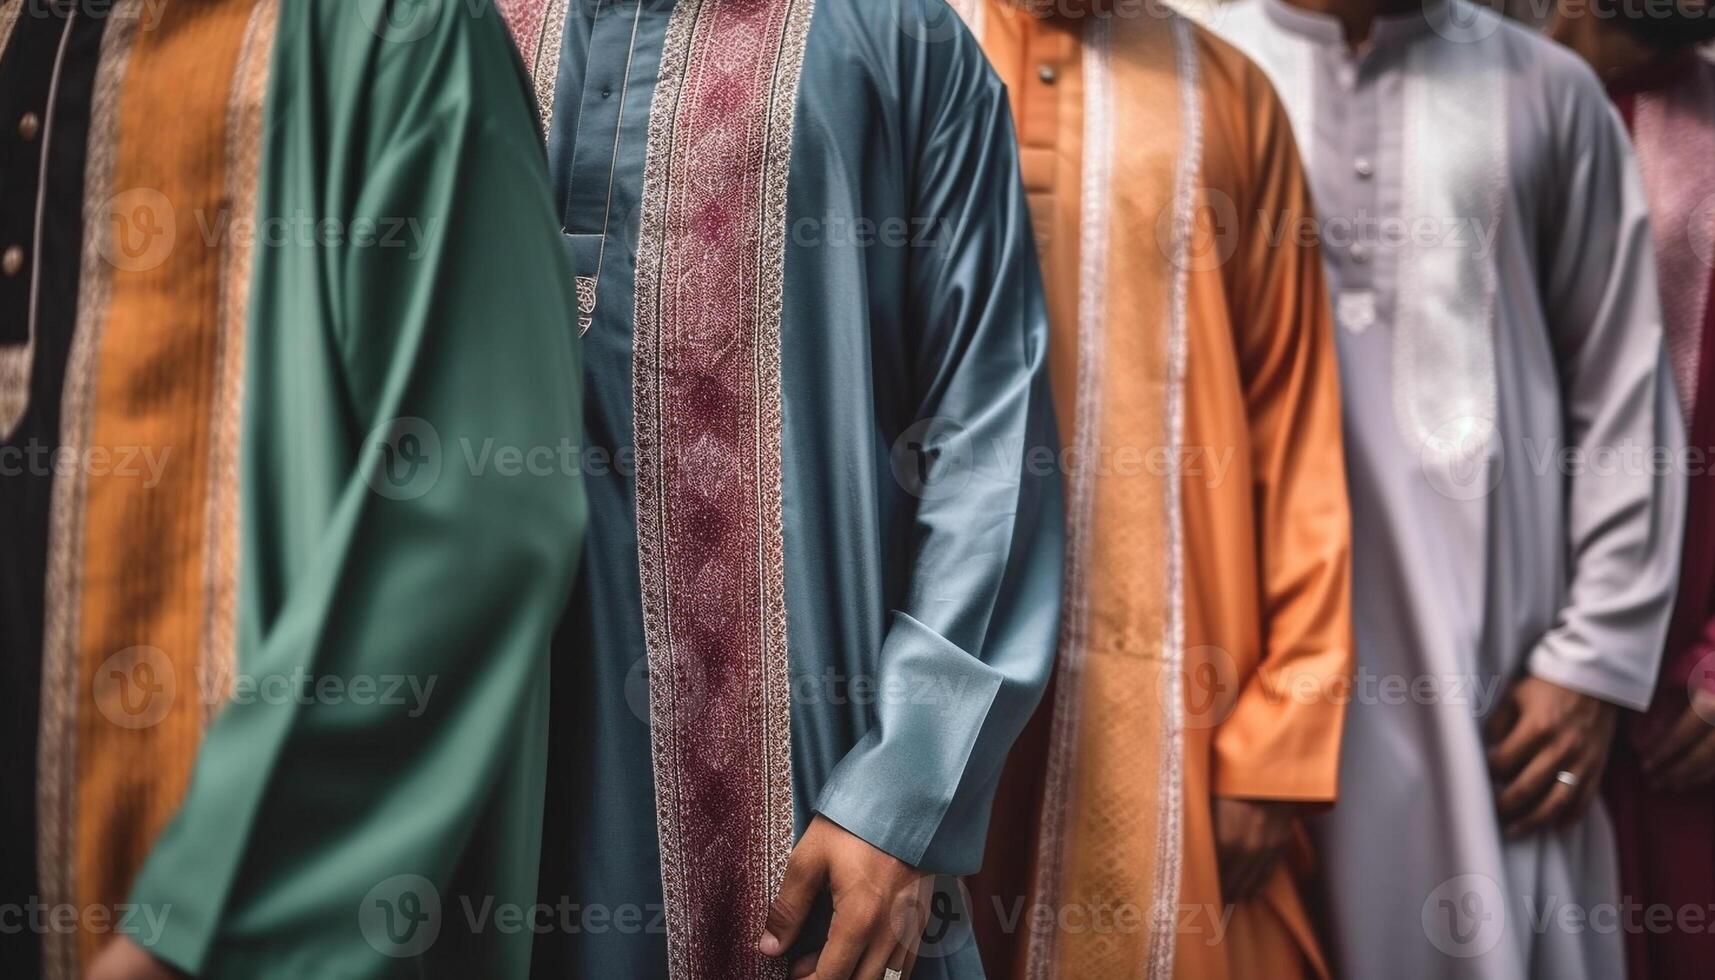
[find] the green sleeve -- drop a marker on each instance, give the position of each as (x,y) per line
(412,517)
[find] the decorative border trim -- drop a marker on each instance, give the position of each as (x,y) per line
(545,66)
(1095,209)
(711,48)
(56,781)
(538,29)
(1454,151)
(244,137)
(9,11)
(1170,839)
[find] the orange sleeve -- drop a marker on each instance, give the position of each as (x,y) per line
(1282,737)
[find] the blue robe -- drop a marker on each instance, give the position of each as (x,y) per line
(853,453)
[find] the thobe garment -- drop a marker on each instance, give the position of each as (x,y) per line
(824,566)
(1507,407)
(276,654)
(1208,576)
(1667,840)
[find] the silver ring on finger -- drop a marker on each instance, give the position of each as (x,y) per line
(1566,777)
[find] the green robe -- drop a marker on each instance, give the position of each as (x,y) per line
(824,560)
(355,353)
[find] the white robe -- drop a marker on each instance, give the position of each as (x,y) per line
(1501,356)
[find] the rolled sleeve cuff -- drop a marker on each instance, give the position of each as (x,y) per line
(900,785)
(1593,678)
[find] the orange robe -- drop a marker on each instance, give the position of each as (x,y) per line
(1206,644)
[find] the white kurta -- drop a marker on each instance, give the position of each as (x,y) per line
(1509,426)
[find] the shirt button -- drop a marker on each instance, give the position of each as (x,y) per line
(12,262)
(1363,167)
(607,91)
(1047,74)
(29,124)
(1348,75)
(1360,253)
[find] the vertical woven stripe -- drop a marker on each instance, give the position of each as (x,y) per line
(706,386)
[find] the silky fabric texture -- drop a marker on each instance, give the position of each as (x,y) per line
(309,818)
(1259,377)
(1667,854)
(920,616)
(1499,328)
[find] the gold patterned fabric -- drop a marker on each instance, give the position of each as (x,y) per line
(1207,571)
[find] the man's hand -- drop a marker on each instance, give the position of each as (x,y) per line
(1684,758)
(880,906)
(122,959)
(1250,838)
(1541,730)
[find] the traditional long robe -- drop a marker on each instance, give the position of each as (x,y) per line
(824,566)
(1207,618)
(1508,412)
(1667,840)
(275,651)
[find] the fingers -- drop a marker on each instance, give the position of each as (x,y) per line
(1547,811)
(1692,769)
(1529,786)
(1583,795)
(1501,721)
(878,958)
(1687,731)
(805,873)
(1250,874)
(901,960)
(912,937)
(804,966)
(1231,872)
(910,963)
(1516,746)
(849,938)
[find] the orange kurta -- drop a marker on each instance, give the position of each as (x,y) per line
(1206,644)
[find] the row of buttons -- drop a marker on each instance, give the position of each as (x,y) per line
(12,260)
